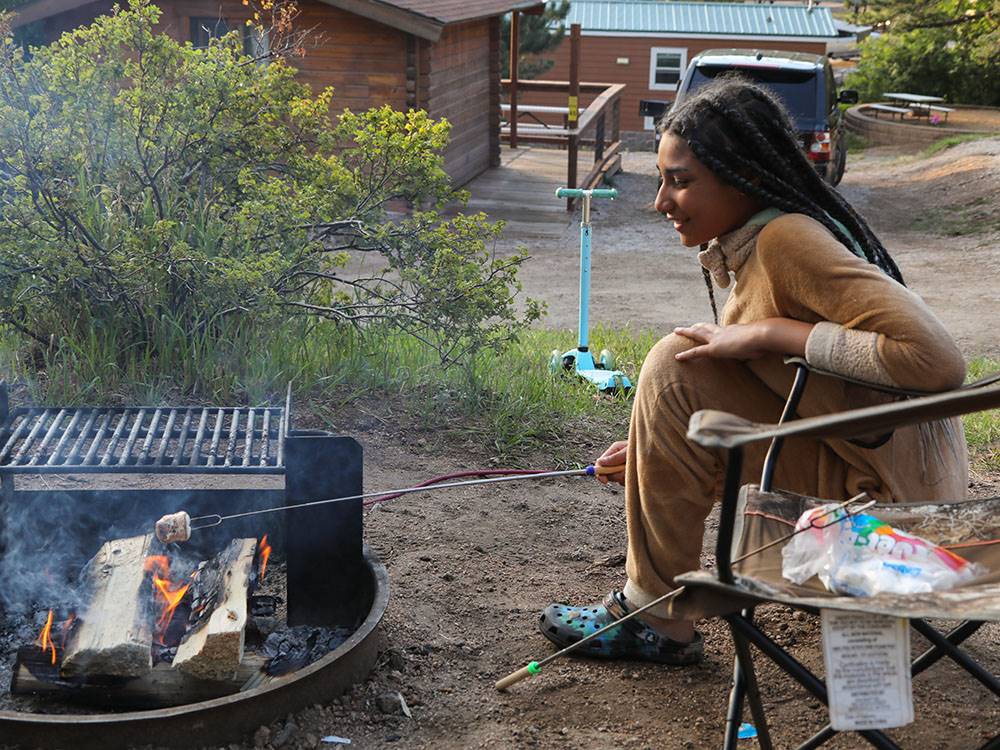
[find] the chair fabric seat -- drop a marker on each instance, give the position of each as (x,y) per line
(970,528)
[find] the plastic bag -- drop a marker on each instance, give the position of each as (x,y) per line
(860,555)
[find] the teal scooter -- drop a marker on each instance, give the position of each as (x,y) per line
(602,372)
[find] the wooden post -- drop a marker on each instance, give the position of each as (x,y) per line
(514,42)
(574,108)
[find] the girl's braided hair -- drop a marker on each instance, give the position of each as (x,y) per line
(743,134)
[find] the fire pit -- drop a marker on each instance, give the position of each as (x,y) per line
(332,586)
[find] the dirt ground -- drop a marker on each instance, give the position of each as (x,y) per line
(470,569)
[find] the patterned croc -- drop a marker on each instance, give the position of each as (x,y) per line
(564,625)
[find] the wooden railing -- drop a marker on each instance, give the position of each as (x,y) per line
(598,125)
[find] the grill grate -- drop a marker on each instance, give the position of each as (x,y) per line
(144,439)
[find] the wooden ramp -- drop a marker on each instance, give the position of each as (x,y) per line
(522,191)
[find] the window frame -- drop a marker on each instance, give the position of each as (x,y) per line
(653,52)
(254,45)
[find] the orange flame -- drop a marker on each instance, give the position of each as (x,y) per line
(44,641)
(265,555)
(168,593)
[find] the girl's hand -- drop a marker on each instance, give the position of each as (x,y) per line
(613,456)
(747,341)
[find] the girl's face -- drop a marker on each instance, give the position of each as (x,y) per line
(700,205)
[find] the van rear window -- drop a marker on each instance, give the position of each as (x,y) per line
(796,88)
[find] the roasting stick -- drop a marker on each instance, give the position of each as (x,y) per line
(178,526)
(535,667)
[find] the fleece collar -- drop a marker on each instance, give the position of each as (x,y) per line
(726,254)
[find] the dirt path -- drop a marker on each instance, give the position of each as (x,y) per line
(471,569)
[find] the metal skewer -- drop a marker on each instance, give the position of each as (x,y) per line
(214,519)
(535,667)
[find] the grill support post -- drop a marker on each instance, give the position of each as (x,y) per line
(323,547)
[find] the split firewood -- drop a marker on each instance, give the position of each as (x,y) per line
(174,527)
(213,646)
(114,637)
(159,688)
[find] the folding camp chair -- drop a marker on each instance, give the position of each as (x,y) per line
(753,516)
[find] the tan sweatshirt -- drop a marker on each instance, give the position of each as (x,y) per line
(868,327)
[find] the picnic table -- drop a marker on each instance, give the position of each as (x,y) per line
(533,110)
(921,105)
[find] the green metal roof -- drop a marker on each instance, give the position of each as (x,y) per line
(723,19)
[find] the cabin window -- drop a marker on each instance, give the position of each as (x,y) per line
(666,66)
(255,41)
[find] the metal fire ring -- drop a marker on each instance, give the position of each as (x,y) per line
(221,720)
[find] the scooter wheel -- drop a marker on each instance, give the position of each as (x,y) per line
(607,360)
(568,362)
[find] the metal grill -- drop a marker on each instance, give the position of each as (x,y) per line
(144,439)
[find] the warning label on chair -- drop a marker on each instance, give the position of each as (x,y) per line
(867,659)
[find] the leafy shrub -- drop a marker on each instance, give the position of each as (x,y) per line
(942,61)
(151,192)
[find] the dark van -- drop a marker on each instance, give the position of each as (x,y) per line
(805,84)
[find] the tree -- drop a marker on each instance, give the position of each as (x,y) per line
(149,189)
(945,47)
(537,34)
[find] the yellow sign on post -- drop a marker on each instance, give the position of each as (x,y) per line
(574,110)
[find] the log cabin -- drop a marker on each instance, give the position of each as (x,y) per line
(442,56)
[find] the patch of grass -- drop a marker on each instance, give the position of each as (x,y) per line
(958,220)
(952,140)
(982,430)
(506,403)
(855,143)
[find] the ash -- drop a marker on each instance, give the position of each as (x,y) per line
(16,630)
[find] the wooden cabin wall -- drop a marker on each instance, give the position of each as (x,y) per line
(370,64)
(458,87)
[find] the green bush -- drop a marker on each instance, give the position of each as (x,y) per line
(153,194)
(936,61)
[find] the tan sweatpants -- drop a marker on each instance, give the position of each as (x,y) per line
(671,482)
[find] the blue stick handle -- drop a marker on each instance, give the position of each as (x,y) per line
(578,193)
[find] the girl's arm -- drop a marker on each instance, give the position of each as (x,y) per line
(746,341)
(866,325)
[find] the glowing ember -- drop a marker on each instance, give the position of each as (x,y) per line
(45,642)
(265,555)
(168,593)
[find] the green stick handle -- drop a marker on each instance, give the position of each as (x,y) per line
(521,674)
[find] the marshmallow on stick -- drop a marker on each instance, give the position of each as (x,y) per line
(175,527)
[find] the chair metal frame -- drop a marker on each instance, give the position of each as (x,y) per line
(745,632)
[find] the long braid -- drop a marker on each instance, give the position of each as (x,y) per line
(784,202)
(792,185)
(711,289)
(829,199)
(734,126)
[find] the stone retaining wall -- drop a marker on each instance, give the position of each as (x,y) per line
(883,131)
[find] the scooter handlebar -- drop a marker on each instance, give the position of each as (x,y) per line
(578,193)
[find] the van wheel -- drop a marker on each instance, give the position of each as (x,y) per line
(841,165)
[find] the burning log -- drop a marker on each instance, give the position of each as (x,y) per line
(114,637)
(212,649)
(158,688)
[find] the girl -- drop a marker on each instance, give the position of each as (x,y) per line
(811,280)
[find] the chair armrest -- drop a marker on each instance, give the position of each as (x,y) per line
(716,429)
(893,390)
(801,362)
